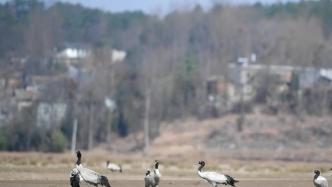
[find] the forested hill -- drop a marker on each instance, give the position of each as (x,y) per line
(170,64)
(61,23)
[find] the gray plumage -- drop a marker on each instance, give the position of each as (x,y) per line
(149,179)
(215,178)
(152,179)
(90,176)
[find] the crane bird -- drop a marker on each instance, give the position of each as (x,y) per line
(157,174)
(319,181)
(152,179)
(113,167)
(149,179)
(215,178)
(89,176)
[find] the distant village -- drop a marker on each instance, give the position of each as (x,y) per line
(247,77)
(243,83)
(21,90)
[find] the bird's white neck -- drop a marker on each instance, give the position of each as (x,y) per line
(199,171)
(201,174)
(79,165)
(157,172)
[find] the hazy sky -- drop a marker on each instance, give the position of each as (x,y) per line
(152,6)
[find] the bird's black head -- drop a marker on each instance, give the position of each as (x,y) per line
(147,173)
(78,154)
(202,163)
(317,172)
(156,164)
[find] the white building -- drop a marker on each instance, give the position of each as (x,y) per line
(72,55)
(118,55)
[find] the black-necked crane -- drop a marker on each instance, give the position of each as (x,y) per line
(89,176)
(319,181)
(215,178)
(152,179)
(113,167)
(157,174)
(149,179)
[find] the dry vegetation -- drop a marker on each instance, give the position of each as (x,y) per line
(180,146)
(39,167)
(281,137)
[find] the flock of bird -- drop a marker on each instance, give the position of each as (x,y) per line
(152,177)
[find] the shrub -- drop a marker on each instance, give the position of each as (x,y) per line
(3,141)
(59,141)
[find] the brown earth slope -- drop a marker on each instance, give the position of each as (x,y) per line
(263,137)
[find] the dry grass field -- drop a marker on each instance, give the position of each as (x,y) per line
(177,149)
(52,170)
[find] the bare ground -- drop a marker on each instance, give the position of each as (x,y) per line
(167,183)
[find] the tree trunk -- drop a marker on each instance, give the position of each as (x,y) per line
(109,126)
(110,90)
(147,120)
(91,130)
(241,117)
(73,138)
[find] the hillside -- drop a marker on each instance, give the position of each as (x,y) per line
(264,137)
